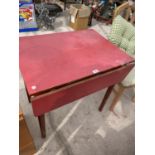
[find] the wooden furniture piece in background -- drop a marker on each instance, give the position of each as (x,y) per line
(118,95)
(58,75)
(126,10)
(120,23)
(26,145)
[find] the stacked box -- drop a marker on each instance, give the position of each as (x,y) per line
(79,16)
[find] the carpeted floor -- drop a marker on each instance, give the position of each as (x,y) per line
(79,128)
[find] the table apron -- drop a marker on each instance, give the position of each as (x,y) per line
(68,95)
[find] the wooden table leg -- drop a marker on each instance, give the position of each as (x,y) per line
(91,17)
(108,92)
(65,4)
(116,98)
(41,120)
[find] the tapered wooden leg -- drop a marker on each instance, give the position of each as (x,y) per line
(65,4)
(116,98)
(108,92)
(41,120)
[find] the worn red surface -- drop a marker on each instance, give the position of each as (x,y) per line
(63,97)
(47,61)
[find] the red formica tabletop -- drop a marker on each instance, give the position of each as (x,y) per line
(48,61)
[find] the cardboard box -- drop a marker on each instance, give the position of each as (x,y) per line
(79,16)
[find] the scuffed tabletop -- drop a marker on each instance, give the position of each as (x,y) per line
(51,60)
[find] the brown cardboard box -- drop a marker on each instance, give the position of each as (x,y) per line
(79,16)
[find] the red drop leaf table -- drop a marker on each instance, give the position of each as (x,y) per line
(62,67)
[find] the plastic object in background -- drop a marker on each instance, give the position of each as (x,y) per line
(27,21)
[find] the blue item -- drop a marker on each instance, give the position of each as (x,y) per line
(27,21)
